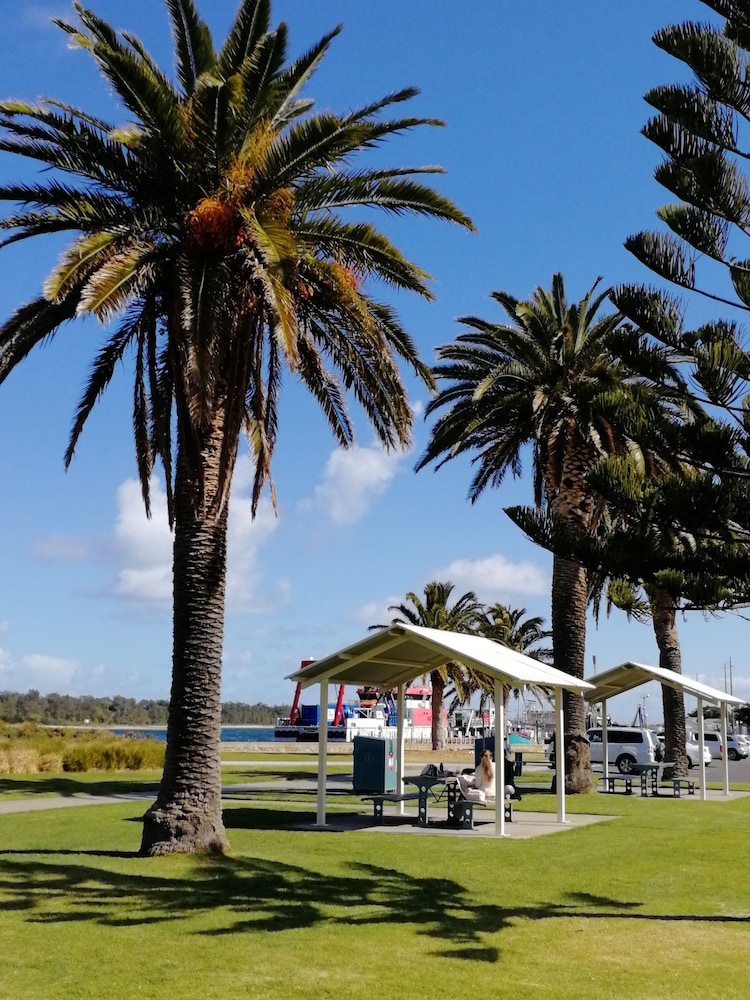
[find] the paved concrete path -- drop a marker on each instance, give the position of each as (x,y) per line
(64,801)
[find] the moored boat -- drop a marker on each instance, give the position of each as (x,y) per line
(372,714)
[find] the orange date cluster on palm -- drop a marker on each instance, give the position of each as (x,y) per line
(346,276)
(214,227)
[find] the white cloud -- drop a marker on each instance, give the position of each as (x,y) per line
(245,590)
(144,545)
(144,548)
(376,612)
(494,578)
(37,670)
(46,673)
(353,478)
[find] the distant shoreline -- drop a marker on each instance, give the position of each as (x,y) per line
(125,725)
(224,725)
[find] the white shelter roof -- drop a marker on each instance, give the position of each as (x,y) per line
(400,653)
(630,675)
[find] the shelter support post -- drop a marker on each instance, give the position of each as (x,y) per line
(605,742)
(499,759)
(725,750)
(322,752)
(701,747)
(560,754)
(400,728)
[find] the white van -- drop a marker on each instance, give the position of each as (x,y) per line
(625,746)
(712,741)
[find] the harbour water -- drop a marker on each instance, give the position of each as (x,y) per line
(229,734)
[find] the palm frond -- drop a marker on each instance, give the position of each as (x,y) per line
(76,263)
(259,73)
(361,247)
(391,194)
(285,104)
(143,455)
(141,86)
(108,289)
(397,97)
(30,325)
(250,24)
(99,378)
(34,224)
(193,46)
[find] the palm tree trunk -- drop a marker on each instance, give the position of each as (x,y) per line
(673,701)
(439,732)
(569,604)
(187,813)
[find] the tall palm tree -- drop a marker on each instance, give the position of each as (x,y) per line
(208,238)
(436,612)
(513,629)
(570,385)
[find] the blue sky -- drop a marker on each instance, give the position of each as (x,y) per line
(543,106)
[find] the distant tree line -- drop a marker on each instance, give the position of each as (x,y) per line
(66,709)
(237,713)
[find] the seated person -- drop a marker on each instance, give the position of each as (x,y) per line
(481,786)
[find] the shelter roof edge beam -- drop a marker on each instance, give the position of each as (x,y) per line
(346,661)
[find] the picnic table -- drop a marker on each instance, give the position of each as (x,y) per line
(650,775)
(433,788)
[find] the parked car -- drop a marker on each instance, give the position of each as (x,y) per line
(626,746)
(737,746)
(712,740)
(692,751)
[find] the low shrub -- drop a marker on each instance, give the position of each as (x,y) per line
(114,755)
(19,761)
(50,763)
(29,748)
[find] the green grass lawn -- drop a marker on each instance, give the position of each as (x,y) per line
(652,904)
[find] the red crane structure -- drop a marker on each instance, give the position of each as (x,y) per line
(338,717)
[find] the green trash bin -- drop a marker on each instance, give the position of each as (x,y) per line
(374,764)
(482,743)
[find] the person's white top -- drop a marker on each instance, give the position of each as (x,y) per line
(482,782)
(480,787)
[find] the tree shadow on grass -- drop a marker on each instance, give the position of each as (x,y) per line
(237,775)
(253,896)
(72,786)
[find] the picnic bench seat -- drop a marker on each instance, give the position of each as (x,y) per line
(379,798)
(615,779)
(678,784)
(463,813)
